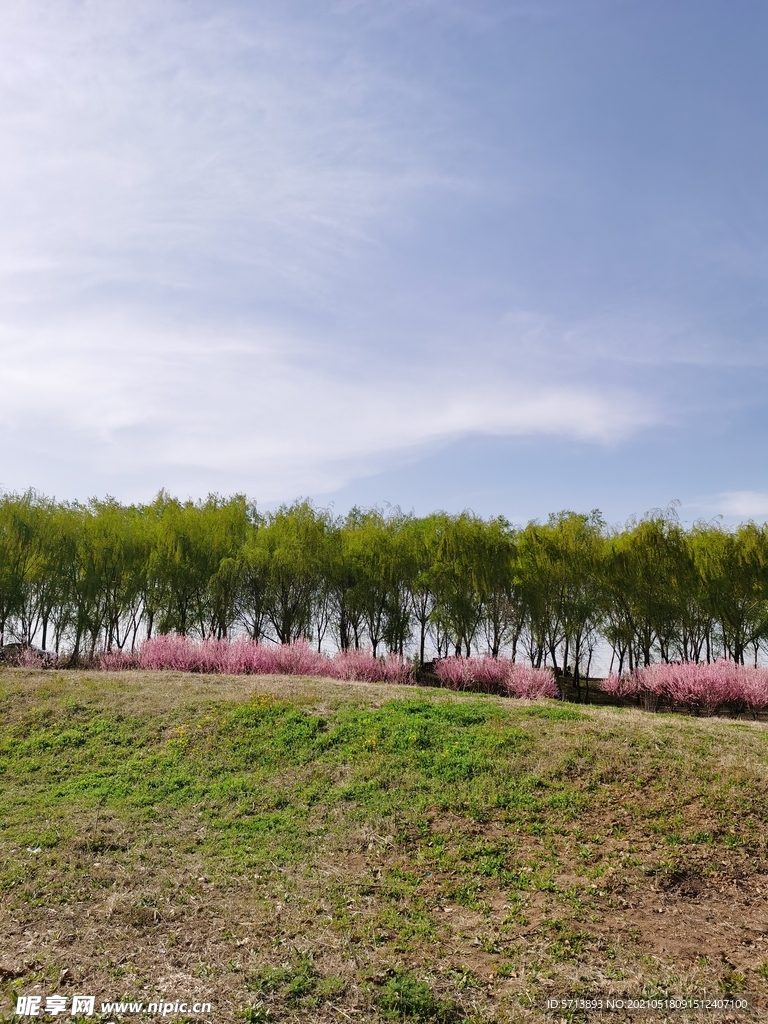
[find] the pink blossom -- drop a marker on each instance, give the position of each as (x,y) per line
(620,686)
(245,656)
(116,661)
(361,665)
(496,675)
(524,681)
(694,686)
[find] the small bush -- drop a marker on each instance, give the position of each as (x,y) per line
(362,665)
(500,676)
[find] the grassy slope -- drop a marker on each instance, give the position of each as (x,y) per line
(301,850)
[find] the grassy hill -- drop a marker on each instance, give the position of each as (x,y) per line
(310,850)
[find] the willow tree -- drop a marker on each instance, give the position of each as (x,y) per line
(645,572)
(734,566)
(24,523)
(576,545)
(503,609)
(294,540)
(540,577)
(191,542)
(421,539)
(457,580)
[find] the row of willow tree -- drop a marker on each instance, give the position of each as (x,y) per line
(82,578)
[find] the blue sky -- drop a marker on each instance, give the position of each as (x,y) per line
(502,255)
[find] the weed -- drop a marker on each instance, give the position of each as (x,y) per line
(405,997)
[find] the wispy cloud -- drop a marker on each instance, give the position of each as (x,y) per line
(143,143)
(275,247)
(250,413)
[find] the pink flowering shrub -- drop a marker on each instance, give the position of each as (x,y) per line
(115,661)
(495,675)
(619,686)
(698,688)
(244,656)
(169,651)
(234,657)
(753,691)
(361,665)
(484,675)
(649,690)
(524,681)
(25,656)
(297,659)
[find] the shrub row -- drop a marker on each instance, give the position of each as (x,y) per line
(173,652)
(247,657)
(694,687)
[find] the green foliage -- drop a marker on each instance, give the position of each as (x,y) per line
(100,576)
(554,713)
(297,983)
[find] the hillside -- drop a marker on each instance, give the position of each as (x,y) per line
(314,850)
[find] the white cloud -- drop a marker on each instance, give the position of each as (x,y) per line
(253,413)
(741,504)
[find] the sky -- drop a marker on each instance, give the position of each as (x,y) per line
(505,255)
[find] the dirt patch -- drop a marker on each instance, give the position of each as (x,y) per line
(687,918)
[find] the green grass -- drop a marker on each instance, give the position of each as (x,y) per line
(407,855)
(256,771)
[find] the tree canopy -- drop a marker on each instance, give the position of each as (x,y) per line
(84,577)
